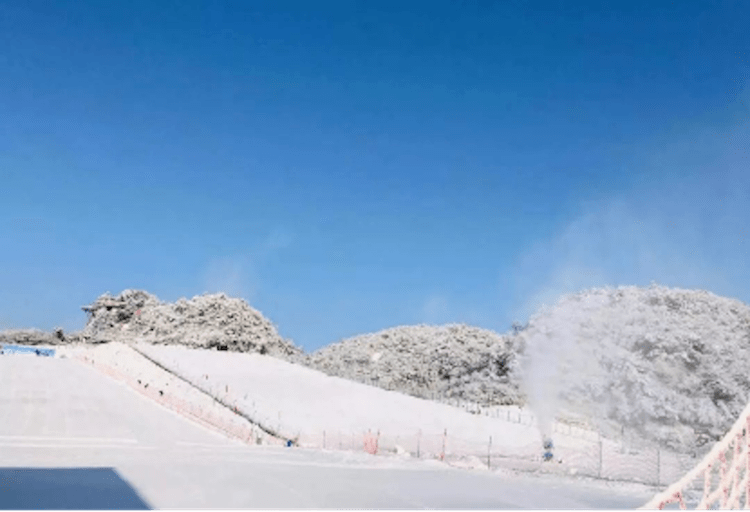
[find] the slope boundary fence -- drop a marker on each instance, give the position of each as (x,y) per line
(217,418)
(720,480)
(602,459)
(581,455)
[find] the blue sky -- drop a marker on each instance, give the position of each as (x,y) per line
(352,166)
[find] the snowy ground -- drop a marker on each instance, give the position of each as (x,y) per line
(324,411)
(75,438)
(299,401)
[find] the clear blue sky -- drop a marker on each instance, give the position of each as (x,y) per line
(352,166)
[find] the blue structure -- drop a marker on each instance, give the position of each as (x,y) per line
(23,349)
(548,446)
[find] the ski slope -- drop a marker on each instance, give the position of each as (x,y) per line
(74,438)
(301,402)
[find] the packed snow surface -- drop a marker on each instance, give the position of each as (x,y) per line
(320,411)
(302,402)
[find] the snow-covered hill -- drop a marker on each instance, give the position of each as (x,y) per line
(668,365)
(434,362)
(321,411)
(654,364)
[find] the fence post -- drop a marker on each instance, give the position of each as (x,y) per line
(419,438)
(442,453)
(489,450)
(324,439)
(658,466)
(600,455)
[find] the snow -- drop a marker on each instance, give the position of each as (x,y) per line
(324,411)
(300,401)
(645,367)
(657,365)
(209,320)
(666,365)
(454,361)
(661,365)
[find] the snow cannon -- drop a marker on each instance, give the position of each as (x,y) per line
(548,446)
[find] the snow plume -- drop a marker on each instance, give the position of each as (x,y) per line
(559,359)
(656,364)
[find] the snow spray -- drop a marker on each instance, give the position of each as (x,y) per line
(558,357)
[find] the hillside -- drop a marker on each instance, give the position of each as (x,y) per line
(433,362)
(651,364)
(665,364)
(205,321)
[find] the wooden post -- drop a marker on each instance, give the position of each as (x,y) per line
(600,456)
(658,466)
(419,438)
(442,453)
(735,461)
(324,439)
(722,479)
(707,481)
(489,450)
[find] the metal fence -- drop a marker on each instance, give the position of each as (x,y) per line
(601,458)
